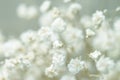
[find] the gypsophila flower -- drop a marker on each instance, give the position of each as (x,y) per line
(118,9)
(57,44)
(75,65)
(45,6)
(104,64)
(117,25)
(75,8)
(51,71)
(73,35)
(86,21)
(97,18)
(31,12)
(11,47)
(45,33)
(28,37)
(89,33)
(94,55)
(58,59)
(66,1)
(68,77)
(26,12)
(22,10)
(55,12)
(65,33)
(58,25)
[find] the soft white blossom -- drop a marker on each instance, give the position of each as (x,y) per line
(51,71)
(117,25)
(58,59)
(94,55)
(57,44)
(31,12)
(97,18)
(104,64)
(58,25)
(28,37)
(45,6)
(68,77)
(75,65)
(22,10)
(89,33)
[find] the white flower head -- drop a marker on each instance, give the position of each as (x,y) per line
(97,18)
(89,33)
(58,59)
(118,9)
(46,19)
(45,33)
(28,37)
(104,64)
(72,35)
(57,44)
(58,25)
(75,65)
(75,8)
(117,25)
(31,12)
(22,11)
(86,21)
(94,55)
(45,6)
(11,47)
(68,77)
(51,71)
(55,12)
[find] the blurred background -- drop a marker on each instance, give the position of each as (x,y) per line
(11,24)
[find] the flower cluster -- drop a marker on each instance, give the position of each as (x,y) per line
(67,46)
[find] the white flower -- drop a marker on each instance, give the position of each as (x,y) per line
(75,8)
(66,1)
(97,18)
(31,12)
(58,59)
(46,19)
(45,6)
(72,35)
(73,11)
(104,40)
(117,25)
(51,71)
(68,77)
(94,55)
(22,11)
(118,9)
(104,64)
(55,12)
(58,25)
(89,33)
(86,21)
(10,63)
(75,65)
(45,33)
(12,47)
(27,12)
(28,37)
(57,44)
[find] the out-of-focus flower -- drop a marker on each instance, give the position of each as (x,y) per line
(89,33)
(75,65)
(94,55)
(98,18)
(104,64)
(45,6)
